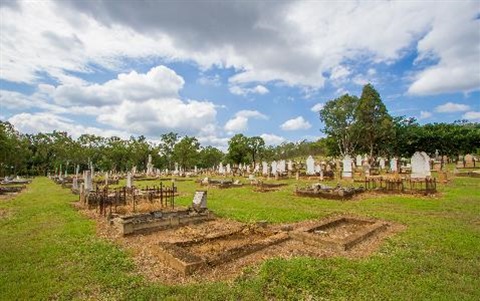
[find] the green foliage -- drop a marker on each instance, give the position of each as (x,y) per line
(373,122)
(185,152)
(339,118)
(238,149)
(210,156)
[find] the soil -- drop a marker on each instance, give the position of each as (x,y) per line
(151,267)
(341,230)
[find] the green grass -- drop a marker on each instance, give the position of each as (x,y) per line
(49,251)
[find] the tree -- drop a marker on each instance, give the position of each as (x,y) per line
(238,149)
(338,116)
(210,156)
(373,121)
(255,145)
(167,144)
(185,152)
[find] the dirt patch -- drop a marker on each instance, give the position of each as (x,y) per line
(144,247)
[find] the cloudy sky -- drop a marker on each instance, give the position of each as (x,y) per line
(216,68)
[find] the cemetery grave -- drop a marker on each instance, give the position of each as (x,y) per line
(327,192)
(190,256)
(339,233)
(159,220)
(261,186)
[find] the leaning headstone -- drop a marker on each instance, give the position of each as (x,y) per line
(420,165)
(199,200)
(310,165)
(347,167)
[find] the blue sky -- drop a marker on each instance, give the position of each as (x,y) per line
(213,69)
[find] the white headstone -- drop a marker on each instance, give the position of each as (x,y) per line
(228,168)
(200,200)
(274,167)
(257,167)
(382,163)
(264,168)
(393,165)
(347,167)
(290,165)
(420,165)
(129,180)
(281,167)
(310,166)
(358,160)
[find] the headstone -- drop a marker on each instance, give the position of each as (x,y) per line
(199,200)
(87,179)
(77,170)
(106,178)
(317,168)
(176,168)
(257,167)
(310,166)
(248,169)
(281,167)
(290,165)
(420,165)
(264,168)
(149,166)
(393,165)
(381,163)
(274,167)
(129,180)
(75,183)
(469,161)
(347,167)
(195,169)
(358,160)
(228,168)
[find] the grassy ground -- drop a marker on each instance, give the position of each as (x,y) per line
(49,251)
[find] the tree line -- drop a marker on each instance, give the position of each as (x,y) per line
(353,125)
(38,154)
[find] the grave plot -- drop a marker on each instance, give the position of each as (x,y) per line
(221,183)
(190,256)
(164,219)
(260,186)
(397,184)
(339,234)
(11,189)
(326,192)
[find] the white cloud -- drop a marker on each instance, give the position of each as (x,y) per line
(239,122)
(48,122)
(472,116)
(296,124)
(271,139)
(425,115)
(451,107)
(316,108)
(236,124)
(239,90)
(159,82)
